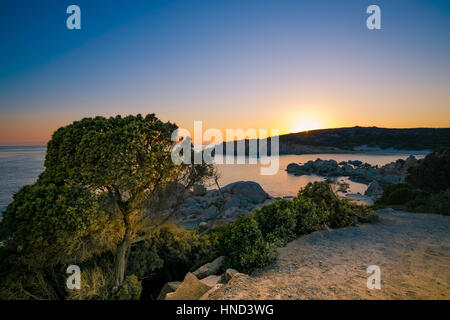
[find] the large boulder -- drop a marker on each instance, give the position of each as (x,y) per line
(208,294)
(212,268)
(190,289)
(374,190)
(168,288)
(410,162)
(249,190)
(211,280)
(230,273)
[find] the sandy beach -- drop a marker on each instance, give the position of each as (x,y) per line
(412,251)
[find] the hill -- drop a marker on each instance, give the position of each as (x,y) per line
(356,139)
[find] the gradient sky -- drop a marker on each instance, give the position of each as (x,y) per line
(230,63)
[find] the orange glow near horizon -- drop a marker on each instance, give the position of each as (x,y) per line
(306,124)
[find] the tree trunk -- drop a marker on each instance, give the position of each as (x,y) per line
(121,262)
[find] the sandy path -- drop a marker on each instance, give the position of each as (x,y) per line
(412,251)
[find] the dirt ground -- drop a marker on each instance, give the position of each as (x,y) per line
(412,251)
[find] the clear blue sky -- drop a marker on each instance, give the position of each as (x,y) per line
(246,63)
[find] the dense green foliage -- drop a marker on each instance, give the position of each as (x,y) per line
(399,193)
(427,187)
(108,184)
(244,245)
(250,242)
(432,175)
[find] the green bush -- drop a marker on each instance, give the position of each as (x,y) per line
(340,212)
(277,222)
(437,203)
(309,217)
(245,247)
(440,203)
(400,196)
(432,175)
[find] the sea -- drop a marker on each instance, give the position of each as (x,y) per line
(21,165)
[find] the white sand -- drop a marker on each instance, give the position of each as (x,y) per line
(412,251)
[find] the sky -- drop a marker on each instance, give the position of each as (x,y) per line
(278,64)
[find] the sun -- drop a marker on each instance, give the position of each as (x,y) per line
(306,124)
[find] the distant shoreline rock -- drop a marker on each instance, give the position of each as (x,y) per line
(376,177)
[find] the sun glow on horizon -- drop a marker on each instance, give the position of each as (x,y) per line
(306,124)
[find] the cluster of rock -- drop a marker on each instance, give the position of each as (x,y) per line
(202,206)
(376,177)
(200,284)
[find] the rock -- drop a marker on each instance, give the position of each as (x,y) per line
(199,190)
(211,268)
(189,207)
(190,289)
(374,190)
(168,288)
(211,291)
(293,167)
(249,190)
(211,280)
(230,273)
(356,163)
(357,171)
(409,163)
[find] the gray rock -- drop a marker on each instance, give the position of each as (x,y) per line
(212,268)
(230,273)
(374,190)
(167,288)
(249,190)
(190,289)
(211,280)
(293,167)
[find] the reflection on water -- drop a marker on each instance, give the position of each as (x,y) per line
(20,166)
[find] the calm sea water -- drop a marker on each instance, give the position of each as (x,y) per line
(20,166)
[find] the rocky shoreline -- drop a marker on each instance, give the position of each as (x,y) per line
(376,177)
(217,207)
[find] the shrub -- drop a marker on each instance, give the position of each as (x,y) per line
(245,247)
(438,203)
(433,173)
(398,194)
(340,212)
(309,217)
(96,281)
(277,222)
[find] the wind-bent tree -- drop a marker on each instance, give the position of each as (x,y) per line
(128,161)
